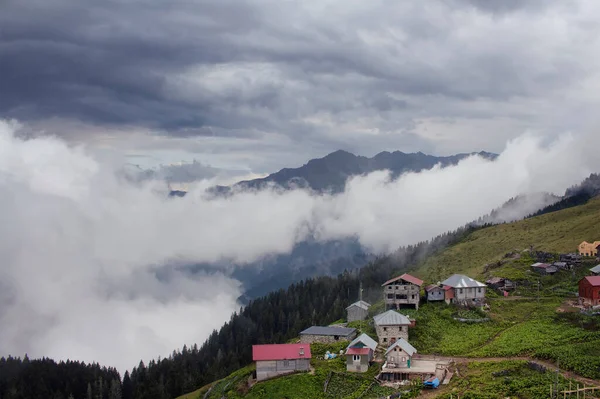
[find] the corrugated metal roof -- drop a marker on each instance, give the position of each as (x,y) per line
(595,269)
(405,277)
(358,351)
(361,304)
(542,265)
(593,280)
(366,340)
(280,352)
(405,345)
(318,330)
(391,318)
(462,281)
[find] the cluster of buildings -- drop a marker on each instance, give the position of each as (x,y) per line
(401,362)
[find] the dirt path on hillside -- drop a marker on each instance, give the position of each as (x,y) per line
(428,394)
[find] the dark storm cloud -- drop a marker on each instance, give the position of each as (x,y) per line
(307,70)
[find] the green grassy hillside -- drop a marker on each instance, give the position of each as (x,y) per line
(519,326)
(560,231)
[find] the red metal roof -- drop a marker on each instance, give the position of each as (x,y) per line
(593,280)
(405,277)
(280,352)
(358,351)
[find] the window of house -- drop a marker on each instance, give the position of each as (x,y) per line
(389,287)
(479,290)
(403,359)
(336,337)
(385,340)
(460,291)
(384,328)
(413,297)
(356,358)
(286,363)
(390,296)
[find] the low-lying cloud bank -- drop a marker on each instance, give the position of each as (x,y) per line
(81,247)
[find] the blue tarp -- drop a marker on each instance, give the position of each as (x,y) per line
(432,383)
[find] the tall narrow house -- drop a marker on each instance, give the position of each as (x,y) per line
(401,291)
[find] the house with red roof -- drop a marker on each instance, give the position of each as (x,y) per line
(402,291)
(278,359)
(589,290)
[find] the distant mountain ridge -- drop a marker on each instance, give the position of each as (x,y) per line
(331,172)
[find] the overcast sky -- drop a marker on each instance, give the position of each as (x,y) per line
(260,85)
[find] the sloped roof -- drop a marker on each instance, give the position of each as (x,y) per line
(593,280)
(366,340)
(495,280)
(280,352)
(361,304)
(405,277)
(431,287)
(391,318)
(318,330)
(542,265)
(595,269)
(462,281)
(358,351)
(404,345)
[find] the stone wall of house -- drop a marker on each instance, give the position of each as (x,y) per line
(324,339)
(271,368)
(386,333)
(392,294)
(356,313)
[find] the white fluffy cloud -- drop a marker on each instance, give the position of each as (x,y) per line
(81,247)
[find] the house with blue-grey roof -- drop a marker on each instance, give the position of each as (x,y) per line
(327,334)
(358,311)
(390,327)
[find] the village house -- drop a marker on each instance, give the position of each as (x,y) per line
(570,258)
(278,359)
(589,248)
(402,290)
(401,365)
(500,283)
(391,326)
(436,292)
(326,335)
(544,268)
(595,270)
(357,311)
(562,265)
(359,354)
(589,290)
(464,290)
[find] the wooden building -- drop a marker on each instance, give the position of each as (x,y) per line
(402,365)
(401,291)
(357,311)
(589,290)
(435,292)
(544,268)
(500,283)
(589,248)
(595,270)
(464,290)
(278,359)
(359,354)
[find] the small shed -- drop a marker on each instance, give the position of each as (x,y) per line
(435,292)
(359,353)
(500,283)
(595,270)
(544,268)
(327,334)
(278,359)
(589,290)
(358,311)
